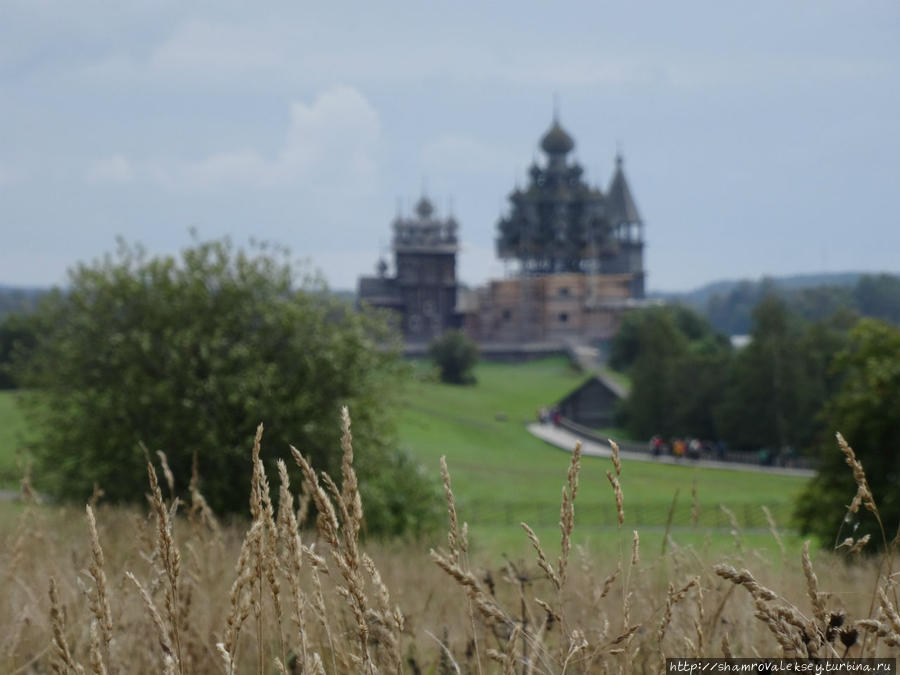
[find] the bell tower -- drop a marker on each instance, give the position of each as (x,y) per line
(425,249)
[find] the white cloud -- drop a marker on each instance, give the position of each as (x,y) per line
(340,130)
(332,141)
(113,169)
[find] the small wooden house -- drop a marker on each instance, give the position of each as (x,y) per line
(593,404)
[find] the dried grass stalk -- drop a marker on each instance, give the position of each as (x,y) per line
(167,472)
(96,650)
(455,542)
(617,463)
(567,513)
(745,579)
(240,602)
(620,500)
(292,565)
(542,559)
(170,560)
(266,563)
(199,506)
(344,546)
(726,648)
(61,659)
(812,586)
(99,600)
(860,543)
(162,632)
(608,582)
(773,528)
(863,493)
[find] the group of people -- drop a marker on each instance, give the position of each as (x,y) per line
(692,448)
(546,415)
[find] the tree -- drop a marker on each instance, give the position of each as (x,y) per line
(629,342)
(879,296)
(778,383)
(188,355)
(455,355)
(657,345)
(676,363)
(864,411)
(764,392)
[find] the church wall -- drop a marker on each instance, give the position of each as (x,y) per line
(564,299)
(555,307)
(425,283)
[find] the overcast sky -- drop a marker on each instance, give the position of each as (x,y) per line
(759,138)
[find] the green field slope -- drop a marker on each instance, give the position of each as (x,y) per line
(12,431)
(502,475)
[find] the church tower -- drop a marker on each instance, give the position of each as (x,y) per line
(422,293)
(425,249)
(558,223)
(579,252)
(628,231)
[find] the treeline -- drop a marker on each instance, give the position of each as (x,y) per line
(15,330)
(688,379)
(789,390)
(731,312)
(16,300)
(17,335)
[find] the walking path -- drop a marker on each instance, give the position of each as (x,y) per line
(566,440)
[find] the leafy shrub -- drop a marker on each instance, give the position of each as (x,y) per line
(864,410)
(188,355)
(455,355)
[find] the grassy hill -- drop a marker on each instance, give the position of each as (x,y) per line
(12,432)
(502,475)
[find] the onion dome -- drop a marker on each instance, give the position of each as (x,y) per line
(424,208)
(556,141)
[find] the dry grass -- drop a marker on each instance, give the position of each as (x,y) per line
(174,591)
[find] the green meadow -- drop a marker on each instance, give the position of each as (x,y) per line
(12,434)
(502,475)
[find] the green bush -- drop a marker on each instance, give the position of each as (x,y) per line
(188,355)
(455,356)
(864,411)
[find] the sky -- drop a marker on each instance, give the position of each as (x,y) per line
(758,138)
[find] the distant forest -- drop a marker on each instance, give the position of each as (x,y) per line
(15,300)
(729,305)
